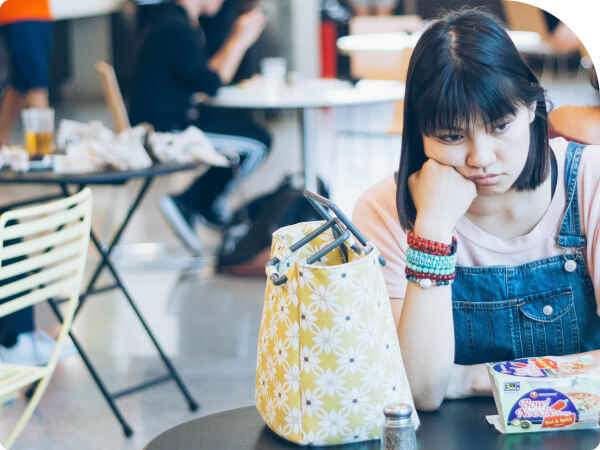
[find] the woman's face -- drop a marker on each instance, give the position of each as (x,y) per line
(492,158)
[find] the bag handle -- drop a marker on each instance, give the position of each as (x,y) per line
(341,226)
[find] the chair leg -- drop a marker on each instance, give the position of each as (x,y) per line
(31,405)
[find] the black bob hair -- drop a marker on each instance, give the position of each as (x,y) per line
(465,70)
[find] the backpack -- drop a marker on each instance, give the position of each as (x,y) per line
(246,242)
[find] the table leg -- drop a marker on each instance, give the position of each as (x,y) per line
(309,147)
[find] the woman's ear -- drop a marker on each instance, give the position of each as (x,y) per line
(531,111)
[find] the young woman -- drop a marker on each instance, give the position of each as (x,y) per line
(523,277)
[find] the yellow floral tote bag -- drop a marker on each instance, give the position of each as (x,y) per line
(328,355)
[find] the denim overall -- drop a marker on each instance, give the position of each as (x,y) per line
(544,307)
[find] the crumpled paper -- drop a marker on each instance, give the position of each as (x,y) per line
(91,147)
(189,146)
(16,158)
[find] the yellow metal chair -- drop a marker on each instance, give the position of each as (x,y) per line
(49,243)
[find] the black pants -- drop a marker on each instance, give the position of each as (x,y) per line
(20,321)
(202,193)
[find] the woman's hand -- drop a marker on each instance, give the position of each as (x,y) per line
(441,196)
(248,27)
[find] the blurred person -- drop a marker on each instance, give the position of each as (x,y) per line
(173,65)
(579,123)
(376,7)
(217,29)
(561,38)
(27,29)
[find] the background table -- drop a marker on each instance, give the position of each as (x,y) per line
(459,424)
(525,41)
(306,97)
(113,177)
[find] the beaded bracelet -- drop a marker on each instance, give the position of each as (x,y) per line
(431,247)
(426,283)
(415,274)
(430,263)
(419,258)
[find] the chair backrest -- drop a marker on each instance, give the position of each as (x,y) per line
(113,96)
(43,250)
(524,17)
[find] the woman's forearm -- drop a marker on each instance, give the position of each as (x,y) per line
(227,60)
(426,336)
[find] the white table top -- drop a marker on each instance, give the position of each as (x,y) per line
(73,9)
(525,41)
(317,93)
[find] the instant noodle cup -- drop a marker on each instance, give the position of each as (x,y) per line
(545,394)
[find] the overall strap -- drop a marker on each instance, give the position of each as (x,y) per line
(570,230)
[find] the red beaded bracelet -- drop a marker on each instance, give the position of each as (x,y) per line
(432,276)
(431,247)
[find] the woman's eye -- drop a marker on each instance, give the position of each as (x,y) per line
(501,126)
(450,138)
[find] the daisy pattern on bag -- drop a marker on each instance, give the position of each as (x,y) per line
(292,378)
(293,421)
(261,388)
(351,359)
(326,340)
(281,353)
(332,424)
(309,359)
(293,291)
(279,395)
(293,334)
(323,296)
(356,401)
(308,319)
(342,279)
(329,382)
(347,318)
(305,277)
(310,403)
(370,333)
(328,358)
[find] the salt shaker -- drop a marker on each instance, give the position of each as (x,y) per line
(398,432)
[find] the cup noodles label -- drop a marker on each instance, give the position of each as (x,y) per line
(546,394)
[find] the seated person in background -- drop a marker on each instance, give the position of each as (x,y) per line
(580,123)
(476,163)
(173,65)
(217,29)
(376,7)
(562,38)
(27,28)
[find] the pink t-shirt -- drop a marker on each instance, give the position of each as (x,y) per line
(375,215)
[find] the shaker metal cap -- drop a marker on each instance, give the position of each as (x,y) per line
(397,410)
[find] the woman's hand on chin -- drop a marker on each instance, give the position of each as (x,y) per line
(441,196)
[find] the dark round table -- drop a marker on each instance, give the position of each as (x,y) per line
(459,424)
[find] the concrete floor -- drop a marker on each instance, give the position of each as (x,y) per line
(207,323)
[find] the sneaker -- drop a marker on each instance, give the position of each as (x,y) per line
(215,218)
(181,220)
(34,348)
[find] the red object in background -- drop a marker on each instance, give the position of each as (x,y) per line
(328,49)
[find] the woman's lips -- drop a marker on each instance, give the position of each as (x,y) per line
(486,180)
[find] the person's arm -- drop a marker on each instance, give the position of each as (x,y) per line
(463,381)
(425,326)
(246,30)
(187,59)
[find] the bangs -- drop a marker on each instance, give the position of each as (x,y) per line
(461,99)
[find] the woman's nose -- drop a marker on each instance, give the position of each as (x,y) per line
(481,152)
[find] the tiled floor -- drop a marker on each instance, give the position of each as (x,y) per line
(207,323)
